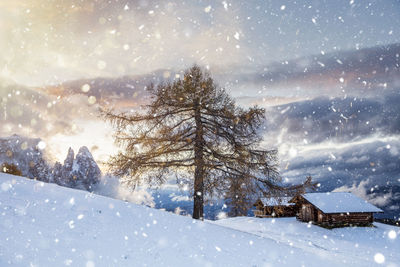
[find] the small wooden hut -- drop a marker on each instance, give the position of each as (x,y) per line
(334,209)
(275,207)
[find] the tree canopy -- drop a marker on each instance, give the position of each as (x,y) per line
(193,130)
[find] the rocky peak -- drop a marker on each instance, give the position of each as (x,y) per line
(69,160)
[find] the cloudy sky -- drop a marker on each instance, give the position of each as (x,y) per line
(48,41)
(328,73)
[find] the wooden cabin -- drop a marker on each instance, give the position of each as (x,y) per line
(334,209)
(274,207)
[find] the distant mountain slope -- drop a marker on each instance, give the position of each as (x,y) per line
(354,66)
(356,72)
(339,119)
(44,224)
(363,72)
(126,91)
(181,202)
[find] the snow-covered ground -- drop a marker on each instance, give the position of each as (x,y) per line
(48,225)
(368,245)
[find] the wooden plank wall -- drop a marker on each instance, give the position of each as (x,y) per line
(309,213)
(351,218)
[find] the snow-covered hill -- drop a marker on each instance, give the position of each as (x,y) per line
(47,225)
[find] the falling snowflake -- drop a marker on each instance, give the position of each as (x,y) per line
(379,258)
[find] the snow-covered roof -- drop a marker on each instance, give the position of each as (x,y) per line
(339,202)
(272,201)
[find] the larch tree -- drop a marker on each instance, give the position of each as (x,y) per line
(10,169)
(193,130)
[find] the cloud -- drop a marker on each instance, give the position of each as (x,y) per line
(51,41)
(366,168)
(29,112)
(61,122)
(363,191)
(337,165)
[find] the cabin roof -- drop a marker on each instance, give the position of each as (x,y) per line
(339,202)
(272,201)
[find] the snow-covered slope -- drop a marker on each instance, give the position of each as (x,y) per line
(48,225)
(360,245)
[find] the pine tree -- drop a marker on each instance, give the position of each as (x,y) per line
(193,129)
(40,170)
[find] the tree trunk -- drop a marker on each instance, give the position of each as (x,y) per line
(198,194)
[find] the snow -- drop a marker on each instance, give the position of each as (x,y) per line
(271,201)
(47,225)
(353,246)
(340,202)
